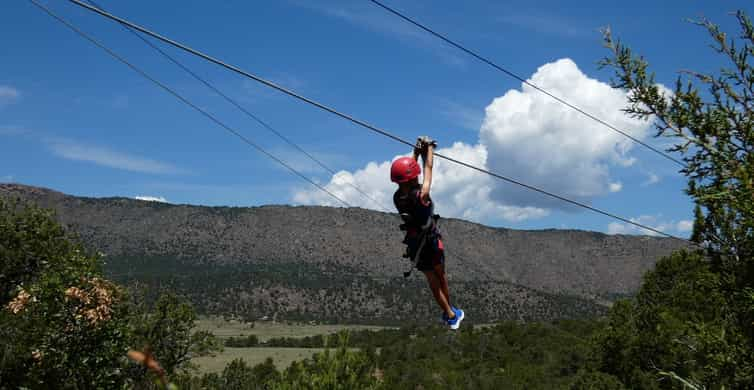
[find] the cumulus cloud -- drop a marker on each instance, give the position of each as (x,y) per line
(370,180)
(8,95)
(73,150)
(152,198)
(457,191)
(653,221)
(525,135)
(533,137)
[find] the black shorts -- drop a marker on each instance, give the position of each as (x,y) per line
(433,254)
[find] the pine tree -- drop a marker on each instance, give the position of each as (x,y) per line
(712,117)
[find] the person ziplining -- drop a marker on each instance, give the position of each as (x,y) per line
(423,240)
(315,103)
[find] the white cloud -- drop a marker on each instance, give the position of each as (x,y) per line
(527,136)
(651,179)
(546,144)
(7,179)
(666,92)
(8,95)
(104,156)
(152,198)
(685,226)
(653,221)
(371,180)
(457,191)
(519,214)
(618,228)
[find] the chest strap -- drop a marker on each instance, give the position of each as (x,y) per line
(424,234)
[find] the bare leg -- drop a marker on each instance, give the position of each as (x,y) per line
(440,272)
(436,286)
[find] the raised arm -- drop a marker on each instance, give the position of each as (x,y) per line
(427,182)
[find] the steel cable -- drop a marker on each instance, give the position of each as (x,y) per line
(183,99)
(237,105)
(358,121)
(527,82)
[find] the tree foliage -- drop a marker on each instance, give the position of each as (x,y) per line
(331,369)
(693,320)
(32,243)
(61,324)
(168,331)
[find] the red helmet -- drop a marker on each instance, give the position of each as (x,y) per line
(404,169)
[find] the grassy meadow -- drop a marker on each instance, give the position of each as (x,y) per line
(264,330)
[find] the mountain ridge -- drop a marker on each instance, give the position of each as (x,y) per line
(351,243)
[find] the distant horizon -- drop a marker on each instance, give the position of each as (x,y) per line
(168,203)
(90,125)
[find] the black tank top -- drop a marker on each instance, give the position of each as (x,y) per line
(417,216)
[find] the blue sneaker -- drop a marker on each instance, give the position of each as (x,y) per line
(455,322)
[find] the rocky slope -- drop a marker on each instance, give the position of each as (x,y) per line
(354,246)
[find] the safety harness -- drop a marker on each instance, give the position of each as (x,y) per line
(423,236)
(420,224)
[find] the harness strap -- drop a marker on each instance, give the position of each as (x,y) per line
(430,226)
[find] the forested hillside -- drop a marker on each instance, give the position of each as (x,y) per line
(345,265)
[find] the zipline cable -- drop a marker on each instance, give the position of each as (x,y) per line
(358,121)
(255,117)
(527,82)
(239,71)
(236,104)
(183,99)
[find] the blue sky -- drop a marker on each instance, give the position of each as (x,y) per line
(75,120)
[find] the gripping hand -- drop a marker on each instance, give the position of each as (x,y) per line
(424,141)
